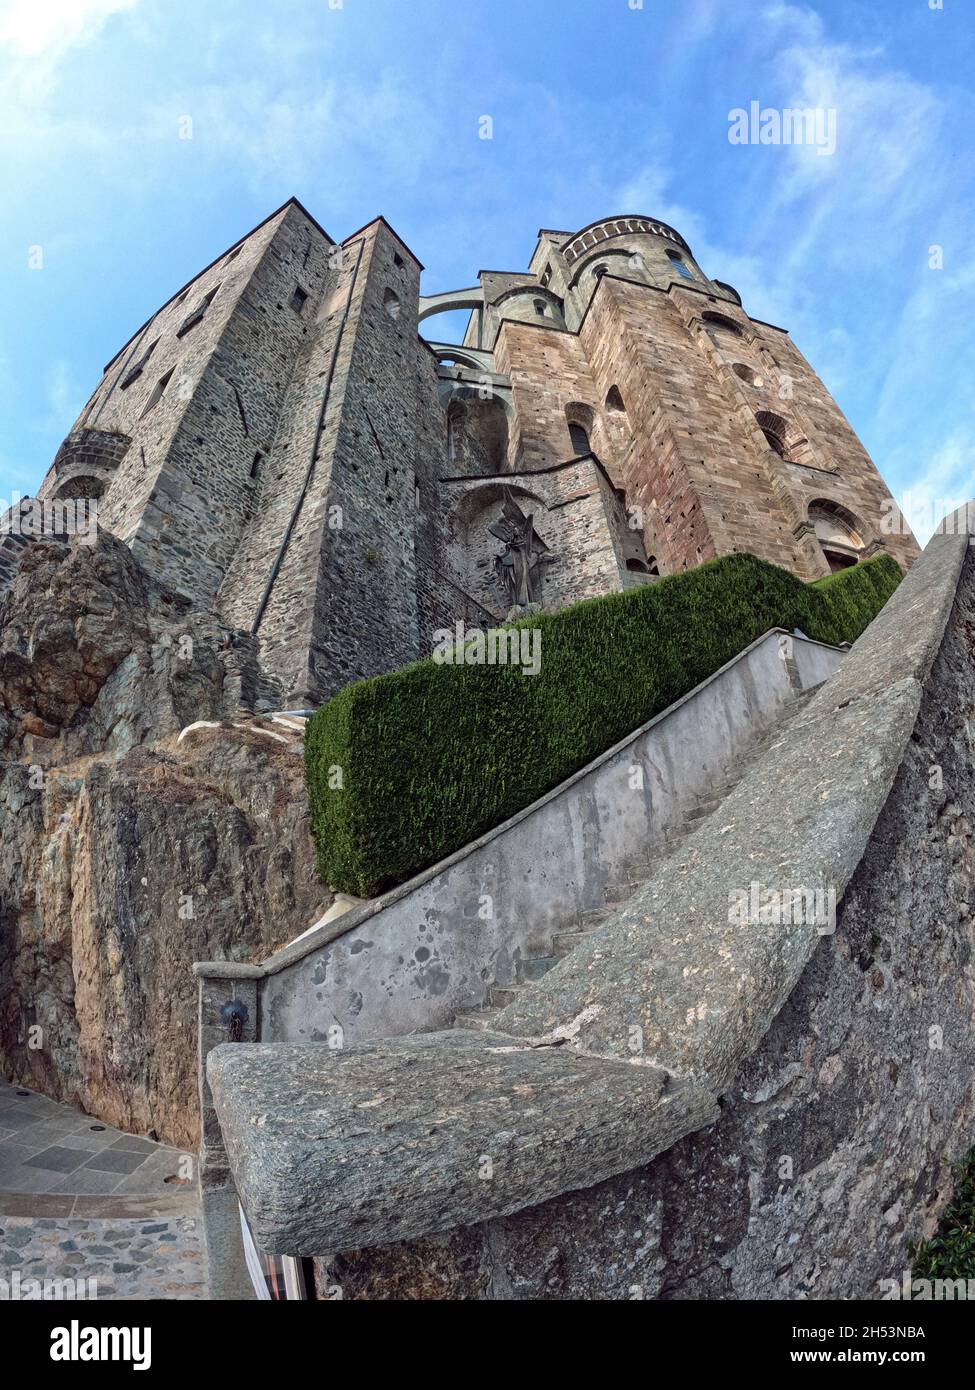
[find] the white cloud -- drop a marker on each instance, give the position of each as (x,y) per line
(946,481)
(36,28)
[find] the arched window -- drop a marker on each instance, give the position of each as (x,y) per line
(775,431)
(391,304)
(614,401)
(678,264)
(580,419)
(714,320)
(580,438)
(746,374)
(453,431)
(652,566)
(838,534)
(637,566)
(541,308)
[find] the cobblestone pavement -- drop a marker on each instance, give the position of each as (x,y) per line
(141,1259)
(80,1200)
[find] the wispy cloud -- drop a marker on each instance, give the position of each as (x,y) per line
(857,221)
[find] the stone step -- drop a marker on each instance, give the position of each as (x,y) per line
(594,915)
(621,892)
(565,942)
(503,995)
(526,970)
(477,1018)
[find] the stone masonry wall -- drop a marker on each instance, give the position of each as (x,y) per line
(574,513)
(205,496)
(835,1145)
(441,597)
(343,604)
(690,472)
(130,508)
(291,476)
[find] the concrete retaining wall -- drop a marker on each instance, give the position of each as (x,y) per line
(416,956)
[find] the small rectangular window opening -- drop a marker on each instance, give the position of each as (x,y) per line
(298,299)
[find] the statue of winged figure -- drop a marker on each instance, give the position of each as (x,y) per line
(520,567)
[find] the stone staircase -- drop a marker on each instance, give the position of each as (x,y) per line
(527,972)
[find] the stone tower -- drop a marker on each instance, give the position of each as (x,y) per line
(278,444)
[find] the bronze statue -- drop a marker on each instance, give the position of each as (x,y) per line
(521,565)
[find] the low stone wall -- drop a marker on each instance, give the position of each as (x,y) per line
(834,1148)
(799,1089)
(413,958)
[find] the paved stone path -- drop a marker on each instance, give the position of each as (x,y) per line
(80,1200)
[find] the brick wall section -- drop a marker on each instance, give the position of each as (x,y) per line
(689,472)
(834,445)
(548,371)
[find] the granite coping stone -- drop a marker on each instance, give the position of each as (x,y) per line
(449,1120)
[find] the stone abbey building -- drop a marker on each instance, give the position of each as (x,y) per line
(278,445)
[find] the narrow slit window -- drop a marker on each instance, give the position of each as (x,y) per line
(580,439)
(157,392)
(678,264)
(194,318)
(136,371)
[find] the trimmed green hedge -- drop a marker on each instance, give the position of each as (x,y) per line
(405,768)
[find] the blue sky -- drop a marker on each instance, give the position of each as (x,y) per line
(598,107)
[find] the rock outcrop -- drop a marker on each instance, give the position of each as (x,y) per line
(126,852)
